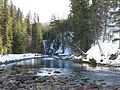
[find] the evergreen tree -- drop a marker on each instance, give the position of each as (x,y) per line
(18,34)
(37,35)
(81,20)
(28,38)
(6,27)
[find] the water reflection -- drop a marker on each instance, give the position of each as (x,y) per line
(46,63)
(48,67)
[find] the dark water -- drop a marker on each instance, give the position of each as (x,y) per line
(48,66)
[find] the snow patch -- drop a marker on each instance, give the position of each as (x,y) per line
(10,57)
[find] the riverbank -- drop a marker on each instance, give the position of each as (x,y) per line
(26,75)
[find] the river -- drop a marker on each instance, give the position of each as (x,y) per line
(51,66)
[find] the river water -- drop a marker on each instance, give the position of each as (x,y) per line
(51,66)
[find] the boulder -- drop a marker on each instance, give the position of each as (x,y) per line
(113,56)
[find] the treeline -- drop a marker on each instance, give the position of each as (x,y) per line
(87,23)
(18,34)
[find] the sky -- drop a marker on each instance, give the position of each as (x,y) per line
(44,8)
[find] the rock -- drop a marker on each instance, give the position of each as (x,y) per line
(13,87)
(5,82)
(40,71)
(23,85)
(93,61)
(93,87)
(10,86)
(17,83)
(113,56)
(29,81)
(31,72)
(80,88)
(22,78)
(57,72)
(32,86)
(55,77)
(2,89)
(116,87)
(103,83)
(41,79)
(21,89)
(49,73)
(2,79)
(85,78)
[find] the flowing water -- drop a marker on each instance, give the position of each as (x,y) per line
(51,66)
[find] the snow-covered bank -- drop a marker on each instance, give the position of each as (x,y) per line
(17,57)
(110,54)
(108,49)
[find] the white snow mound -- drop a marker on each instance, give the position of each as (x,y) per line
(107,50)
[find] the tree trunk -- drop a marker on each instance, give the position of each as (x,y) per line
(82,52)
(119,40)
(101,52)
(104,34)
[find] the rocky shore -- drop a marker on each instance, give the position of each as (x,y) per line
(31,82)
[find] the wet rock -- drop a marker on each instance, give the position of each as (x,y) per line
(5,82)
(55,77)
(30,72)
(116,87)
(10,86)
(103,83)
(2,79)
(100,80)
(22,78)
(21,89)
(49,73)
(93,62)
(41,79)
(29,81)
(57,72)
(13,87)
(17,83)
(31,87)
(80,88)
(40,72)
(85,78)
(2,89)
(93,87)
(23,86)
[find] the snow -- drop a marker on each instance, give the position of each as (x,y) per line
(108,48)
(67,51)
(10,57)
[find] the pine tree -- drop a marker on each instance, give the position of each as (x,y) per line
(80,16)
(36,35)
(6,26)
(28,38)
(18,34)
(1,42)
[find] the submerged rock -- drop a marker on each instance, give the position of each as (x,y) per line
(57,72)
